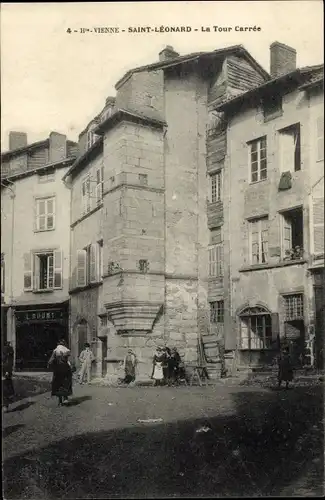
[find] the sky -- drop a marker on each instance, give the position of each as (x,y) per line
(52,80)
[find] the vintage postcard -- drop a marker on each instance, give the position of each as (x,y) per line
(162,249)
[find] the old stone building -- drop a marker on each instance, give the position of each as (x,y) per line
(274,220)
(147,210)
(35,236)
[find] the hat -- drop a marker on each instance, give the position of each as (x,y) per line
(87,344)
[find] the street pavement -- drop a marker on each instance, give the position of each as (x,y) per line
(146,442)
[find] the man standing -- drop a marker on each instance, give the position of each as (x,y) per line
(86,358)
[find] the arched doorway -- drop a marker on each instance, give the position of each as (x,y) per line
(256,340)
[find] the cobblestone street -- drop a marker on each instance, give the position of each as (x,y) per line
(223,440)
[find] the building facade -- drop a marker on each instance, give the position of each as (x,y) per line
(146,244)
(35,243)
(274,222)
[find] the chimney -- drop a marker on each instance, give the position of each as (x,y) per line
(168,53)
(110,101)
(283,59)
(17,140)
(58,147)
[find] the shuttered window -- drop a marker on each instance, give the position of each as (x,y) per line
(318,225)
(216,261)
(290,156)
(257,159)
(86,195)
(216,187)
(45,214)
(258,233)
(28,281)
(320,138)
(99,184)
(81,267)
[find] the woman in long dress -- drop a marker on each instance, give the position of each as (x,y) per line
(62,373)
(285,368)
(130,363)
(159,361)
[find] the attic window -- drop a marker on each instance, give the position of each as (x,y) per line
(272,107)
(48,176)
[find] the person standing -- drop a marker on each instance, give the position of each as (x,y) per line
(159,360)
(285,368)
(130,363)
(62,373)
(8,357)
(167,365)
(86,358)
(174,362)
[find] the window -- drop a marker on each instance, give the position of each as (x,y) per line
(43,270)
(272,107)
(290,158)
(45,214)
(89,264)
(258,163)
(216,253)
(320,138)
(149,99)
(258,235)
(99,184)
(255,328)
(143,179)
(91,138)
(86,199)
(143,266)
(216,191)
(217,311)
(293,307)
(292,234)
(46,177)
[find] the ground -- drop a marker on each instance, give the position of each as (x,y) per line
(222,440)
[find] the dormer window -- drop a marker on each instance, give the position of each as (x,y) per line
(90,139)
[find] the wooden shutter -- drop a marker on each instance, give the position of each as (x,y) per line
(50,213)
(318,225)
(58,268)
(81,267)
(287,151)
(287,235)
(28,285)
(297,149)
(93,264)
(275,326)
(41,215)
(320,138)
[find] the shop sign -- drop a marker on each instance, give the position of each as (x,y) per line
(41,315)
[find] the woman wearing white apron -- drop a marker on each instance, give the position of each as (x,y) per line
(158,365)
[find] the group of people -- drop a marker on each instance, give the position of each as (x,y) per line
(167,366)
(167,369)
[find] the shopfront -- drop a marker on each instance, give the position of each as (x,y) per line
(38,329)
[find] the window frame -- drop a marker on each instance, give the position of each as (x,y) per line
(217,312)
(283,221)
(216,183)
(86,194)
(52,271)
(99,184)
(250,144)
(46,214)
(265,342)
(48,176)
(259,221)
(290,317)
(296,164)
(216,264)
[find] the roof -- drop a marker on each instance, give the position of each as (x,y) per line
(91,153)
(35,145)
(234,49)
(110,122)
(315,81)
(23,149)
(132,116)
(43,168)
(298,76)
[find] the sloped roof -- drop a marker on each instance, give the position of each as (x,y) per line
(298,76)
(234,49)
(35,145)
